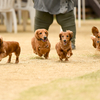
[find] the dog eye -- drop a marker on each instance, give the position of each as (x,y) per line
(98,36)
(40,33)
(62,36)
(45,32)
(67,36)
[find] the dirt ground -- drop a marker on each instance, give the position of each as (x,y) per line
(34,71)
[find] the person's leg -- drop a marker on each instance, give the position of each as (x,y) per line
(67,22)
(42,20)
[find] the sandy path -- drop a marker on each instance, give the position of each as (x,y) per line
(33,71)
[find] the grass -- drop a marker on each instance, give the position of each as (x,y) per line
(86,87)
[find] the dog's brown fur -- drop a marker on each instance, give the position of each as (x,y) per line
(96,38)
(9,47)
(40,43)
(63,47)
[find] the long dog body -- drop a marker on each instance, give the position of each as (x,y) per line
(9,47)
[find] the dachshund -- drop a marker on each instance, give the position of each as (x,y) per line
(9,47)
(63,47)
(40,43)
(96,38)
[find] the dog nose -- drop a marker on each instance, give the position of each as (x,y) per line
(64,40)
(45,38)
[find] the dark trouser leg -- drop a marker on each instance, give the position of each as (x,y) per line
(67,22)
(42,20)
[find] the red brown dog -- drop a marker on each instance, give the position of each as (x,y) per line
(96,38)
(9,47)
(63,47)
(40,43)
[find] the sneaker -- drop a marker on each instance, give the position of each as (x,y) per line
(73,46)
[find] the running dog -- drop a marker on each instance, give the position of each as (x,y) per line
(96,38)
(63,47)
(40,43)
(9,47)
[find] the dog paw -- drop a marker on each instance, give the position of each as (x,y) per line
(66,59)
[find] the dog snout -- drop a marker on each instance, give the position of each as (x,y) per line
(45,37)
(64,40)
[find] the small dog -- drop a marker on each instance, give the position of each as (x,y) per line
(9,47)
(63,47)
(96,38)
(40,43)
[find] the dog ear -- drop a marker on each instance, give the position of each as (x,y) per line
(46,32)
(95,31)
(71,34)
(1,40)
(60,35)
(36,34)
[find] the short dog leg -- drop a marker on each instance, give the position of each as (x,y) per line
(9,59)
(61,55)
(46,55)
(17,53)
(17,59)
(66,59)
(69,53)
(60,58)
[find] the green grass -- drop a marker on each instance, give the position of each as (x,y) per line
(85,87)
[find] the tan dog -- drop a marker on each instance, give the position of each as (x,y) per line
(9,47)
(96,38)
(40,43)
(63,47)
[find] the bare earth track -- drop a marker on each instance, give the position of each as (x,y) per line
(33,70)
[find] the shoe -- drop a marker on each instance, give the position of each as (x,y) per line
(73,46)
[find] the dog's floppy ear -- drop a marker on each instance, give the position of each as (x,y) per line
(71,34)
(95,31)
(46,32)
(1,40)
(60,35)
(36,33)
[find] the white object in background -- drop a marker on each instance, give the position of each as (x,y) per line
(6,7)
(26,8)
(79,13)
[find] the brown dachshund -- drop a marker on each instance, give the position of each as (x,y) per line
(96,38)
(9,47)
(63,47)
(40,43)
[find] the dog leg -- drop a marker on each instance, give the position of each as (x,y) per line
(9,59)
(60,58)
(46,55)
(60,55)
(17,53)
(66,59)
(17,59)
(69,53)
